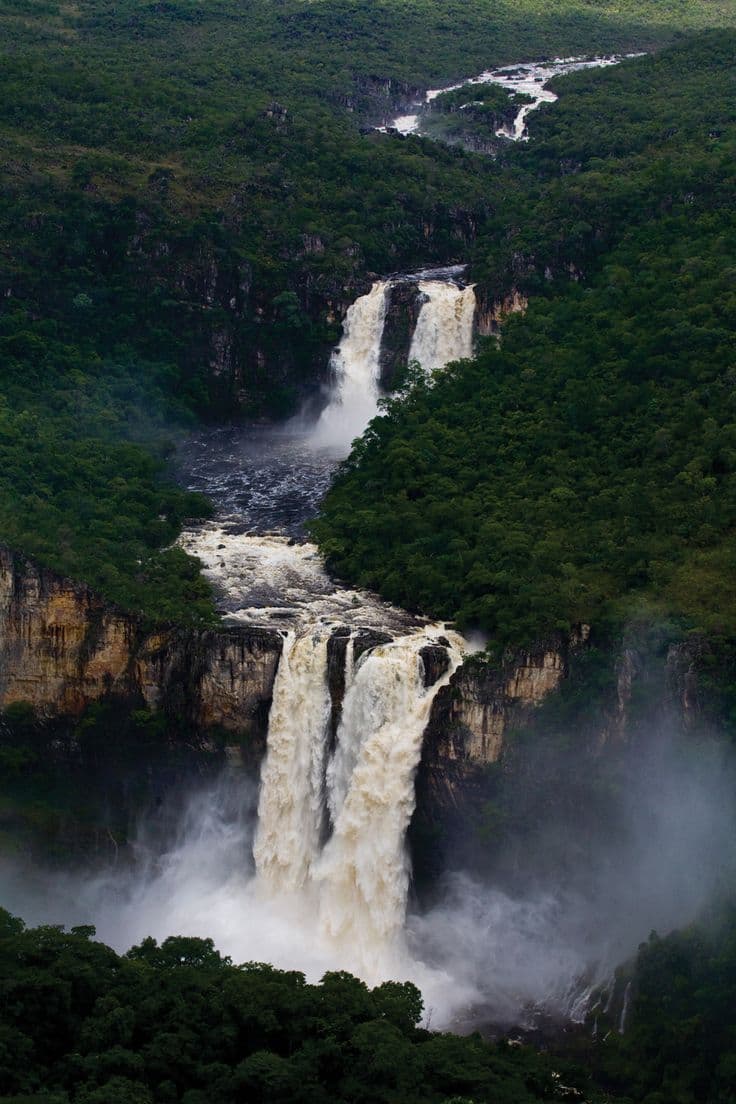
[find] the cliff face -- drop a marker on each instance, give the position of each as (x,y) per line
(473,713)
(513,775)
(402,311)
(490,313)
(62,648)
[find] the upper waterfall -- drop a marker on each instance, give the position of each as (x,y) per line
(529,78)
(444,330)
(356,364)
(443,333)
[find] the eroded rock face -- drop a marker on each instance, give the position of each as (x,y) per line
(62,648)
(402,311)
(490,315)
(472,715)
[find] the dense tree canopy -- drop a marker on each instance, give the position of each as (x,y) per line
(588,462)
(178,1022)
(182,181)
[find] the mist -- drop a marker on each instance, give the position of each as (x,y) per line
(483,953)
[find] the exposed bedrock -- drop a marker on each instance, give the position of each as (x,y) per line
(62,648)
(402,312)
(491,312)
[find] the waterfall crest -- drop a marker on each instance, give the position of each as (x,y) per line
(356,364)
(444,330)
(354,887)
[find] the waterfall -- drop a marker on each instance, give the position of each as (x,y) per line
(528,77)
(364,869)
(354,887)
(290,808)
(625,1009)
(444,330)
(443,333)
(356,364)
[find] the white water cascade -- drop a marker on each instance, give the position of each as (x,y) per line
(443,333)
(444,329)
(356,364)
(353,888)
(529,78)
(363,873)
(290,809)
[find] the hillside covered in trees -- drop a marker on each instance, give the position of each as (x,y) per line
(584,467)
(192,194)
(178,1022)
(190,198)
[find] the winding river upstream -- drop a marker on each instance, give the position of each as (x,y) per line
(529,78)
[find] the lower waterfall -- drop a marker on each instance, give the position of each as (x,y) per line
(355,885)
(363,873)
(290,809)
(444,330)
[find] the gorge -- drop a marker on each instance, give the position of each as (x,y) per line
(367,557)
(344,698)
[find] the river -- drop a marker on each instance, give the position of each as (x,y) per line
(526,78)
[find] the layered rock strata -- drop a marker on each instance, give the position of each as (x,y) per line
(62,648)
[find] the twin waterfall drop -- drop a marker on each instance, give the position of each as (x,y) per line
(332,822)
(443,333)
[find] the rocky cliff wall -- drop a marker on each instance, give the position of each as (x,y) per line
(472,716)
(62,648)
(491,312)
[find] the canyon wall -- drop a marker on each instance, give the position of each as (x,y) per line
(63,648)
(491,312)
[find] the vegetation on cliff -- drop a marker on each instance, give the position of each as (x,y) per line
(471,116)
(679,1038)
(588,463)
(83,444)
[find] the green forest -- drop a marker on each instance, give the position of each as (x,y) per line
(187,189)
(583,468)
(191,195)
(179,1022)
